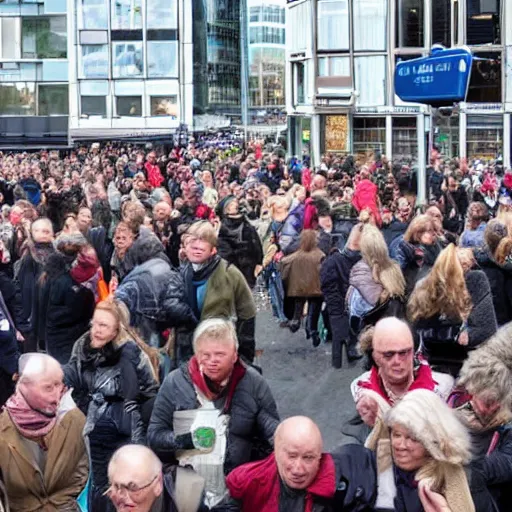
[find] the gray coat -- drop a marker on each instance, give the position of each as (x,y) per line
(253,417)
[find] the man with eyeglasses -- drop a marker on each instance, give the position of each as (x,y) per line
(139,483)
(395,371)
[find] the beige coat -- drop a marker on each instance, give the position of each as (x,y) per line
(300,272)
(67,466)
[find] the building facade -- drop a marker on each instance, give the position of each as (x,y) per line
(130,67)
(267,60)
(341,57)
(34,52)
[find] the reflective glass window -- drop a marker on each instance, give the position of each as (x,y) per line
(44,38)
(18,99)
(410,23)
(162,59)
(95,61)
(164,106)
(127,60)
(483,22)
(93,105)
(370,24)
(94,14)
(129,106)
(126,14)
(370,70)
(441,22)
(161,14)
(53,99)
(333,25)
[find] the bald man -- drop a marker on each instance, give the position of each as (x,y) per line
(43,458)
(300,477)
(395,371)
(138,482)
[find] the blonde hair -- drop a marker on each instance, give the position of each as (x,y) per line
(125,333)
(419,225)
(385,271)
(203,231)
(505,217)
(503,250)
(215,329)
(443,291)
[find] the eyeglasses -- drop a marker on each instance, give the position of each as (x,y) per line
(402,354)
(130,488)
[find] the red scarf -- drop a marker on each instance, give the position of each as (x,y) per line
(87,264)
(30,423)
(257,484)
(199,381)
(422,380)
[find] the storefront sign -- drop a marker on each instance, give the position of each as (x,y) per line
(336,133)
(440,79)
(388,110)
(482,108)
(306,135)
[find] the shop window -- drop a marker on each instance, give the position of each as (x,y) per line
(129,106)
(369,135)
(447,135)
(441,22)
(410,23)
(485,81)
(370,25)
(333,25)
(44,38)
(128,60)
(405,139)
(164,106)
(483,22)
(94,14)
(18,99)
(95,61)
(93,105)
(484,137)
(53,99)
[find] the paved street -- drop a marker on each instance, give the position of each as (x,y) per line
(302,379)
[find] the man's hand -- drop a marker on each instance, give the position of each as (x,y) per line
(432,501)
(257,270)
(368,409)
(20,337)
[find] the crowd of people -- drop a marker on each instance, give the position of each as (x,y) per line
(128,376)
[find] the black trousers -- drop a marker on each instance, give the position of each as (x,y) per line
(314,310)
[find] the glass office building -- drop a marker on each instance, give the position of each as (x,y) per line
(341,58)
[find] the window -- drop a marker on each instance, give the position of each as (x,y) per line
(93,105)
(126,14)
(53,99)
(44,38)
(369,134)
(18,99)
(334,66)
(370,80)
(441,23)
(485,137)
(268,35)
(8,47)
(273,14)
(161,14)
(410,24)
(299,30)
(483,22)
(162,59)
(129,105)
(405,139)
(370,25)
(300,81)
(164,106)
(255,14)
(485,80)
(95,61)
(333,27)
(127,59)
(94,14)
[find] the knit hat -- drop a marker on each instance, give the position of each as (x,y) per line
(222,206)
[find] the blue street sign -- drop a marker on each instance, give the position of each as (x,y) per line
(440,79)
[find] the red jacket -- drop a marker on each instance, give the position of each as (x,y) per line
(257,484)
(155,177)
(365,196)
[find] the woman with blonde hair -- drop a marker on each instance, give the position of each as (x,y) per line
(417,250)
(420,462)
(114,384)
(377,285)
(452,310)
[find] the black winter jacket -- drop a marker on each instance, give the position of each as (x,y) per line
(240,245)
(334,278)
(63,309)
(253,416)
(500,280)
